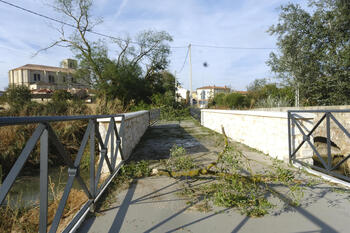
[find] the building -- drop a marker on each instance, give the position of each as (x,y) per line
(241,92)
(182,94)
(37,77)
(204,94)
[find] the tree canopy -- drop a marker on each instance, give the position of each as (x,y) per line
(314,51)
(134,74)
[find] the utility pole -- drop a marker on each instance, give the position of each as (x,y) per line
(297,95)
(175,86)
(189,50)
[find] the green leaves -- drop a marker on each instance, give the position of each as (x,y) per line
(315,51)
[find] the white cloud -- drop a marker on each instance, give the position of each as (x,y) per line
(121,7)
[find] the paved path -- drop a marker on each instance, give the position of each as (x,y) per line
(153,204)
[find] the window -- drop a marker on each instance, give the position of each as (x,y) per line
(64,79)
(51,79)
(203,95)
(74,80)
(36,77)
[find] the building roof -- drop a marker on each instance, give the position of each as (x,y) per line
(242,92)
(44,68)
(214,87)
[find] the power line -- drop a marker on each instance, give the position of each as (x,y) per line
(61,22)
(71,25)
(232,47)
(183,65)
(133,42)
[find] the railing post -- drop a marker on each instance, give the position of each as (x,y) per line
(328,123)
(289,139)
(112,159)
(92,162)
(44,149)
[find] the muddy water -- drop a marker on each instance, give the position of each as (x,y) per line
(26,190)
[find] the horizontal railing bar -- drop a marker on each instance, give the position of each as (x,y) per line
(38,119)
(80,215)
(317,111)
(340,162)
(323,170)
(109,180)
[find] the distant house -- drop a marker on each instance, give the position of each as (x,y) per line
(38,77)
(204,94)
(181,94)
(242,92)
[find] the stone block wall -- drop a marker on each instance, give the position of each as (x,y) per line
(135,125)
(265,131)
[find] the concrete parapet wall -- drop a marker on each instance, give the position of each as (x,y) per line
(135,125)
(265,131)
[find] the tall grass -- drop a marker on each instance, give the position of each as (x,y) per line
(13,138)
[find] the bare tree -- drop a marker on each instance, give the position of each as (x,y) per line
(77,16)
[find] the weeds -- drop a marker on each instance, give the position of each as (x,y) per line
(176,113)
(235,184)
(178,160)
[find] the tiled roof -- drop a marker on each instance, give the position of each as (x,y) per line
(42,68)
(214,87)
(242,92)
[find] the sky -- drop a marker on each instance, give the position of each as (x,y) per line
(223,23)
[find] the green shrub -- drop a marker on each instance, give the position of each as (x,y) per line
(232,100)
(61,95)
(18,96)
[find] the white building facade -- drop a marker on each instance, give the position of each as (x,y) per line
(37,77)
(181,94)
(204,94)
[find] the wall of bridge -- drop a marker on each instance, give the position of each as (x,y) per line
(135,125)
(265,131)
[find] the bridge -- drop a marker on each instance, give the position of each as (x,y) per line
(168,203)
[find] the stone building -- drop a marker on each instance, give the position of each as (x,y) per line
(37,77)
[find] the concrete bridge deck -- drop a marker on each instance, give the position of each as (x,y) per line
(153,204)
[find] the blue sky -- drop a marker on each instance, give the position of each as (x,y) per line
(237,23)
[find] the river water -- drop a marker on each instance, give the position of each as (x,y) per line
(26,190)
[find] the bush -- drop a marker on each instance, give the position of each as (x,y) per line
(271,102)
(81,95)
(18,96)
(61,95)
(234,100)
(231,100)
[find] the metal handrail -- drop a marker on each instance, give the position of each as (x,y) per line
(45,133)
(154,115)
(328,116)
(39,119)
(196,113)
